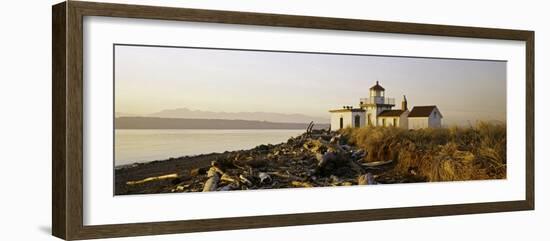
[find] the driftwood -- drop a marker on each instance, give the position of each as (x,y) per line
(376,164)
(150,179)
(287,176)
(309,128)
(180,188)
(315,146)
(315,158)
(213,177)
(264,177)
(356,167)
(227,178)
(228,187)
(324,159)
(245,180)
(212,183)
(301,184)
(367,179)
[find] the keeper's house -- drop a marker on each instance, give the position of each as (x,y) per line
(376,110)
(424,117)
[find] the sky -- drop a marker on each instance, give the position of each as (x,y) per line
(151,79)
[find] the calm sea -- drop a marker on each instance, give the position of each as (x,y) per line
(148,145)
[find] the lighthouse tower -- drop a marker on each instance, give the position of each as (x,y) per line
(375,104)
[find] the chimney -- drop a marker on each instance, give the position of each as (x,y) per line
(404,103)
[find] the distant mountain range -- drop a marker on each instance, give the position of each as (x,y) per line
(187,123)
(251,116)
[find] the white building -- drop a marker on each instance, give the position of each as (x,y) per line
(347,117)
(424,117)
(376,110)
(394,118)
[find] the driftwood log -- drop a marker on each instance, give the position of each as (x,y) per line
(150,179)
(213,175)
(301,184)
(213,178)
(376,164)
(367,179)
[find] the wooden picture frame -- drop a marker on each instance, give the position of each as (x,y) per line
(67,124)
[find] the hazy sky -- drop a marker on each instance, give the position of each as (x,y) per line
(150,79)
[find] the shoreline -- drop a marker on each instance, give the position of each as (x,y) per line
(321,158)
(315,158)
(135,171)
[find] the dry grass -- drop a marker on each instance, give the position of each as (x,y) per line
(442,154)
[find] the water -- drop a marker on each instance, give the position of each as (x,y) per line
(148,145)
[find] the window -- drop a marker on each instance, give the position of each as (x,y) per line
(357,122)
(394,121)
(341,122)
(384,122)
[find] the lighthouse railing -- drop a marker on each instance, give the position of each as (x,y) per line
(377,100)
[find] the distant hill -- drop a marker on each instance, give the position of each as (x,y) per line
(121,114)
(255,116)
(186,123)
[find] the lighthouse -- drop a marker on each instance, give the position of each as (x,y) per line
(376,110)
(375,104)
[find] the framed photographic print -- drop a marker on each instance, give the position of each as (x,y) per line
(171,120)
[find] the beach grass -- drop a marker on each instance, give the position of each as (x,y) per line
(439,154)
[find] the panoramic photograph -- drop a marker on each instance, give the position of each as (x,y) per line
(190,119)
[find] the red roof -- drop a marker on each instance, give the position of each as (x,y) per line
(422,111)
(391,113)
